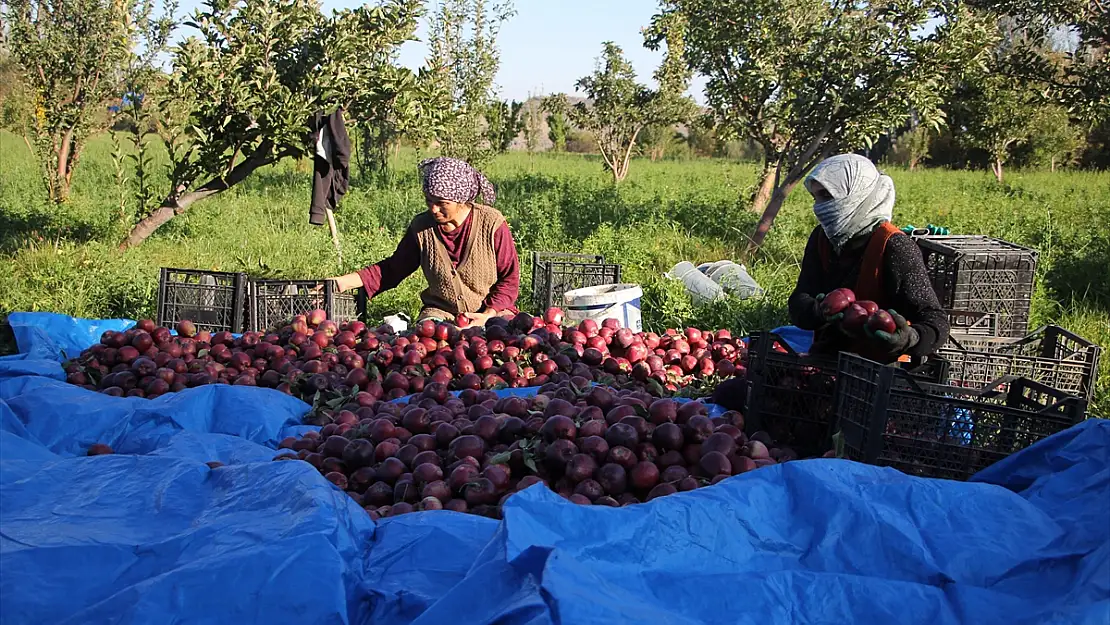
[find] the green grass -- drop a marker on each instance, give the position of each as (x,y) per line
(64,259)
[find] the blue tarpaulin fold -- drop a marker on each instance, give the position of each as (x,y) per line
(153,535)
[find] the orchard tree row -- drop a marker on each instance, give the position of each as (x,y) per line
(793,81)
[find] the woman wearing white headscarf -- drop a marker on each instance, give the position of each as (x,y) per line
(856,247)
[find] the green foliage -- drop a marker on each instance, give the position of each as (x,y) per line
(244,90)
(71,54)
(16,106)
(995,115)
(260,70)
(463,63)
(914,143)
(655,140)
(532,123)
(504,121)
(821,77)
(1053,140)
(558,126)
(618,108)
(1075,72)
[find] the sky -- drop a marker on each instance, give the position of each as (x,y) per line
(549,44)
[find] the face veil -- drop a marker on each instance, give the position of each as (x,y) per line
(862,197)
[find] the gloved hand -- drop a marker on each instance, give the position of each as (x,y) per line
(898,342)
(829,319)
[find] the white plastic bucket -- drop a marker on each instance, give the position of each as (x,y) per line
(610,301)
(700,287)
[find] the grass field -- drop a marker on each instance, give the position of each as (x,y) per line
(64,259)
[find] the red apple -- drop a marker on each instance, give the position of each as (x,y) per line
(426,328)
(837,301)
(316,317)
(855,317)
(869,306)
(881,321)
(553,315)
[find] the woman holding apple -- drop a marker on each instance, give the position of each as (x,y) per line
(464,248)
(863,286)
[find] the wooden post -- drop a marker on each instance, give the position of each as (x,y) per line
(335,236)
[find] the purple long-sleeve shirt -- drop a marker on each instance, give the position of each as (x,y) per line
(388,273)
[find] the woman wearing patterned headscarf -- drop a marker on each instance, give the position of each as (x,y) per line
(855,246)
(464,248)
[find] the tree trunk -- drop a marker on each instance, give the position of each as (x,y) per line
(62,176)
(778,198)
(177,204)
(913,163)
(766,188)
(1052,164)
(996,168)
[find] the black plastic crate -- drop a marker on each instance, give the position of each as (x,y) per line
(273,302)
(888,418)
(969,323)
(793,395)
(213,300)
(553,274)
(1051,355)
(984,274)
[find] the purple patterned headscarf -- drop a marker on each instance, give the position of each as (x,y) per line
(455,180)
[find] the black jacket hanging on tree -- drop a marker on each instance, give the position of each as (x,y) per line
(332,159)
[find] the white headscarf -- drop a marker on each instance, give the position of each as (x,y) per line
(862,197)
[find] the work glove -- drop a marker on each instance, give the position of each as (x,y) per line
(831,321)
(828,319)
(898,342)
(927,230)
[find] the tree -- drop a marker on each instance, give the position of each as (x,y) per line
(1053,140)
(996,112)
(1065,49)
(654,141)
(914,143)
(464,60)
(242,94)
(393,104)
(533,124)
(808,78)
(16,108)
(558,127)
(618,108)
(504,121)
(71,54)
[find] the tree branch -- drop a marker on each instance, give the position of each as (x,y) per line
(177,203)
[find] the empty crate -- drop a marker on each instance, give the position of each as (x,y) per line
(273,302)
(982,274)
(553,274)
(888,418)
(213,300)
(1051,355)
(968,323)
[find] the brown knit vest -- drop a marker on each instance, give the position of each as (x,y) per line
(453,290)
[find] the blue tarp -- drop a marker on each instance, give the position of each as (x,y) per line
(152,535)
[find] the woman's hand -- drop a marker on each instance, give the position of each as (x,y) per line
(477,318)
(347,282)
(898,342)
